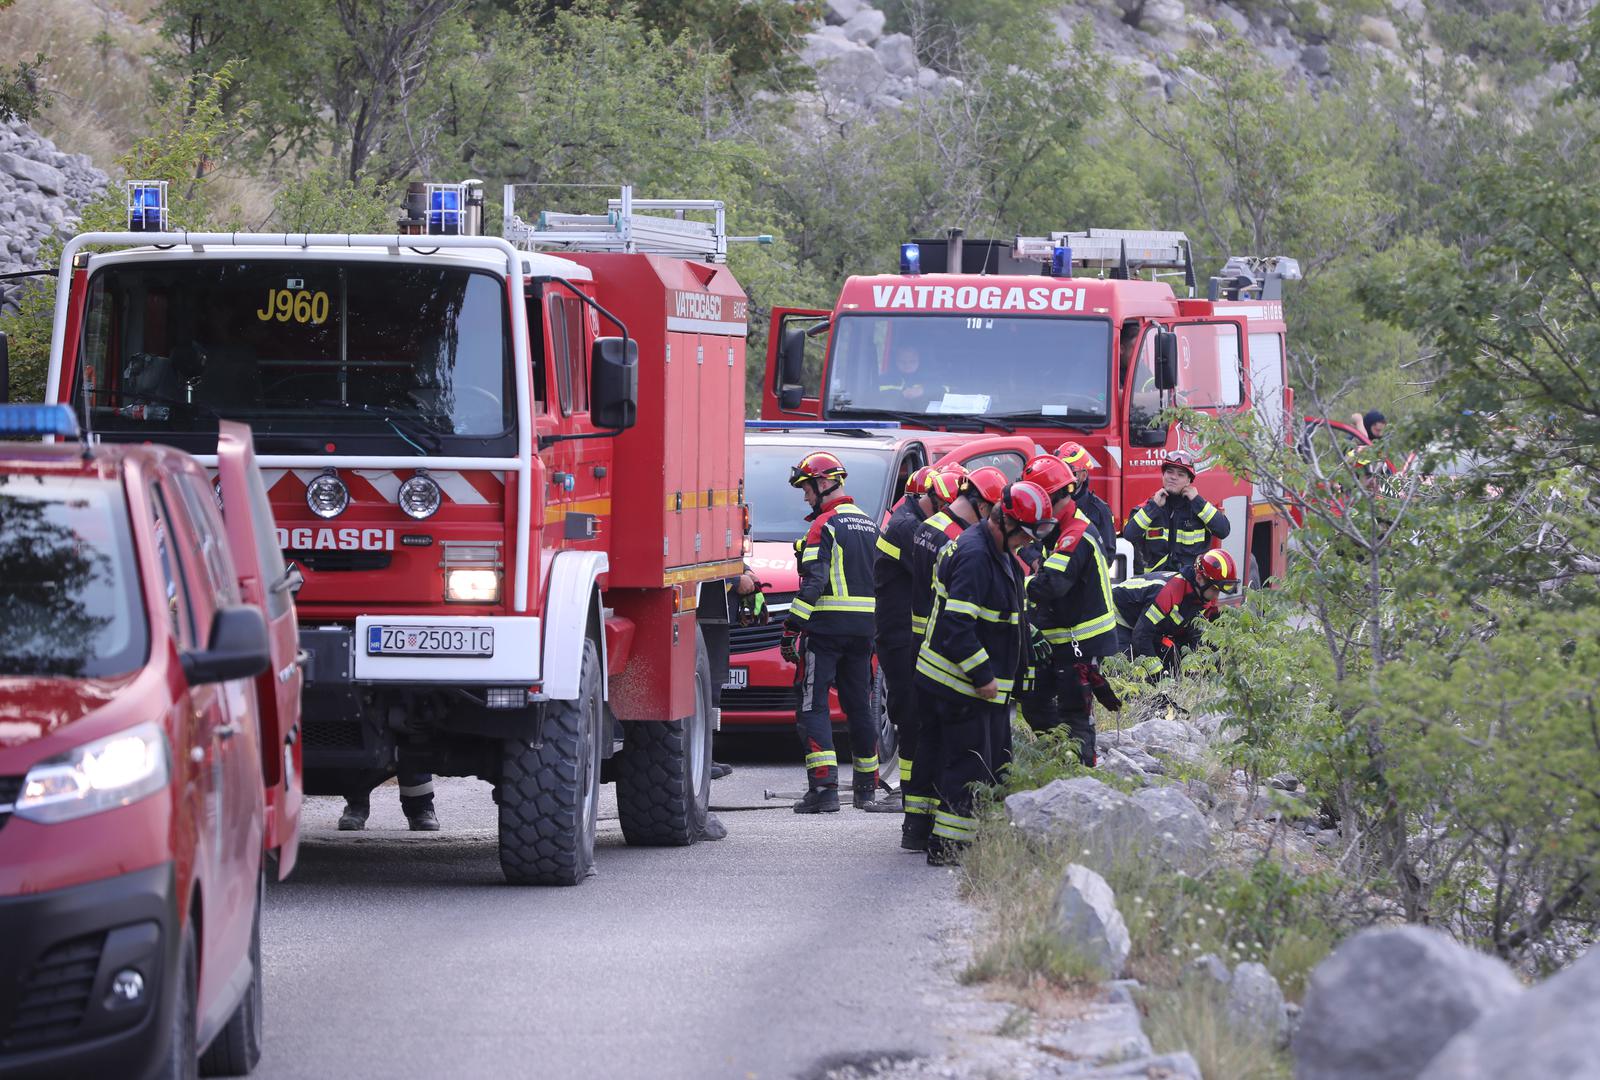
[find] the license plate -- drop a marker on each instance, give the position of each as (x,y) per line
(738,678)
(430,641)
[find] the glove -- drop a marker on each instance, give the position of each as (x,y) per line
(1102,691)
(1041,648)
(789,646)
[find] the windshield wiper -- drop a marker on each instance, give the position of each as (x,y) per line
(1070,420)
(142,397)
(928,420)
(410,433)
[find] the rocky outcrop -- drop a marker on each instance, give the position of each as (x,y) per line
(1161,821)
(41,193)
(1089,924)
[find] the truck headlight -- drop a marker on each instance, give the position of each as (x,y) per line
(420,496)
(464,585)
(101,775)
(327,496)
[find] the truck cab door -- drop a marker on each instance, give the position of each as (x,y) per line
(799,364)
(266,582)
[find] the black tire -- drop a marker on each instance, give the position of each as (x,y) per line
(237,1047)
(182,1060)
(888,738)
(549,794)
(664,771)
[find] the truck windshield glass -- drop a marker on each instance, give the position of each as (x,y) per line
(297,348)
(69,594)
(778,511)
(1016,367)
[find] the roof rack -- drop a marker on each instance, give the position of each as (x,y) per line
(623,230)
(1253,277)
(1115,253)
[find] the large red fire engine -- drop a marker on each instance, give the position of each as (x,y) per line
(1013,342)
(510,478)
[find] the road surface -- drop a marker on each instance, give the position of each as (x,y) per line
(794,944)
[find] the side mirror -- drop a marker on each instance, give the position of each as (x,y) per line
(237,649)
(5,369)
(789,398)
(614,382)
(1166,360)
(792,357)
(292,581)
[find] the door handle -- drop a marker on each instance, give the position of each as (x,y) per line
(227,731)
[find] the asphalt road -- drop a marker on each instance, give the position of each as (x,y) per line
(794,944)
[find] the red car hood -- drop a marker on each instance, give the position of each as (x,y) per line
(772,562)
(33,707)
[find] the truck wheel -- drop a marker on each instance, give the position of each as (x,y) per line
(182,1059)
(664,770)
(237,1047)
(549,794)
(888,739)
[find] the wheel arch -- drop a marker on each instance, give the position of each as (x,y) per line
(573,614)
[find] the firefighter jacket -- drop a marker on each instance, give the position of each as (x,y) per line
(836,558)
(891,576)
(930,538)
(975,631)
(1069,599)
(1095,509)
(1173,536)
(1158,606)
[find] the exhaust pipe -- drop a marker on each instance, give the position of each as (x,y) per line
(952,256)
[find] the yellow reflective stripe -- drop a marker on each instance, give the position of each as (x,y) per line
(954,826)
(1059,560)
(810,553)
(1206,512)
(1158,564)
(905,772)
(850,508)
(920,804)
(888,548)
(866,604)
(962,607)
(1138,583)
(1154,614)
(979,657)
(1191,536)
(919,623)
(799,609)
(975,611)
(1141,518)
(822,759)
(1094,627)
(836,581)
(939,520)
(869,764)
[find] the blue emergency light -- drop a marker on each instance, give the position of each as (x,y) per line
(910,259)
(444,209)
(147,206)
(1061,261)
(38,420)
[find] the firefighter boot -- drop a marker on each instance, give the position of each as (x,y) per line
(354,818)
(864,791)
(943,851)
(915,831)
(423,820)
(821,798)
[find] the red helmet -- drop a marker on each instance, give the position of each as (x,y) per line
(1076,457)
(989,482)
(1028,505)
(1051,473)
(1216,567)
(818,465)
(1179,459)
(947,483)
(917,482)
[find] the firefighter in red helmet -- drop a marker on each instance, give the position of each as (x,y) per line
(972,659)
(1090,505)
(1158,614)
(896,640)
(1171,530)
(829,633)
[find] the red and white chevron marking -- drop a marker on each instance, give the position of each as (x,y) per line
(383,485)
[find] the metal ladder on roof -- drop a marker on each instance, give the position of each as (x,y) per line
(622,229)
(1116,252)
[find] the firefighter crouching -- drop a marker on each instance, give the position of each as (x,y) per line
(1171,530)
(972,658)
(829,631)
(1158,614)
(1071,615)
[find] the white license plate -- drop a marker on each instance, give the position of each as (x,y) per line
(738,678)
(430,640)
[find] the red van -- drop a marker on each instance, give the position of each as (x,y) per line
(149,756)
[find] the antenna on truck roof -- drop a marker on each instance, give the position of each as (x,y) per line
(622,229)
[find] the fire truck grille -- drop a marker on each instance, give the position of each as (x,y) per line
(332,735)
(10,788)
(748,639)
(55,994)
(759,699)
(335,561)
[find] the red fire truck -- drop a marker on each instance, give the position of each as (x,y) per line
(510,478)
(974,337)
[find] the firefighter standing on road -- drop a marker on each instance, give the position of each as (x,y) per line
(973,656)
(416,801)
(895,642)
(1158,614)
(829,633)
(1171,530)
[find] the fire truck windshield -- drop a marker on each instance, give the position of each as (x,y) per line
(303,350)
(998,367)
(69,596)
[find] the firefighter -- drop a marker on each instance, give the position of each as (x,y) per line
(895,642)
(985,486)
(1158,614)
(972,658)
(416,801)
(829,631)
(955,500)
(1090,505)
(1070,608)
(1171,530)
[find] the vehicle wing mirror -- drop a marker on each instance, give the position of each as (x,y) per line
(292,581)
(1166,360)
(790,397)
(238,648)
(614,379)
(5,369)
(792,358)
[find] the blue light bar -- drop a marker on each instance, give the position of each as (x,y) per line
(910,259)
(444,209)
(17,420)
(821,425)
(147,206)
(1061,261)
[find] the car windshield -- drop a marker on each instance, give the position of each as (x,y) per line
(778,511)
(971,365)
(302,350)
(69,594)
